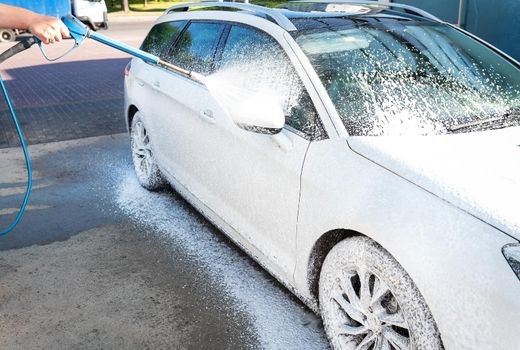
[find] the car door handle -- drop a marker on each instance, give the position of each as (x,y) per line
(140,83)
(283,141)
(207,116)
(156,84)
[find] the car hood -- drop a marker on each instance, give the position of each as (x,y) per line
(478,172)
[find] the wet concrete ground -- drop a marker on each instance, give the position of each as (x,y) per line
(98,262)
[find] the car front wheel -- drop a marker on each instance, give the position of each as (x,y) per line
(368,301)
(145,165)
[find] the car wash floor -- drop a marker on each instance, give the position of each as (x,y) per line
(98,262)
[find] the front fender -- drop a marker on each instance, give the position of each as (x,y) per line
(454,258)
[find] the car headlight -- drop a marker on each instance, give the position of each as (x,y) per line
(512,254)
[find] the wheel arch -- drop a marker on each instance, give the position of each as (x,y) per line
(132,110)
(319,251)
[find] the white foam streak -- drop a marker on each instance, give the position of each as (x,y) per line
(237,83)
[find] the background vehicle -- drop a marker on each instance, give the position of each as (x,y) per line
(309,144)
(91,12)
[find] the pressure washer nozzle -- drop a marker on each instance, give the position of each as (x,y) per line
(197,76)
(191,74)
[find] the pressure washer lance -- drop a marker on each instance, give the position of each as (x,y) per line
(78,32)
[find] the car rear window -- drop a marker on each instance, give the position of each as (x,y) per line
(160,37)
(196,46)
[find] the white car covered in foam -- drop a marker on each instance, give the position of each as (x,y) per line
(368,157)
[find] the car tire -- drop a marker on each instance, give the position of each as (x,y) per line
(145,165)
(7,35)
(368,301)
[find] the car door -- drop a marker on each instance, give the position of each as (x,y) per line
(146,87)
(184,110)
(252,180)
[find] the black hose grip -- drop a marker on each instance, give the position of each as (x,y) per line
(19,47)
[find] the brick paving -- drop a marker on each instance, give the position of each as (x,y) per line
(64,101)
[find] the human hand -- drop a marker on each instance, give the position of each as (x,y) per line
(48,29)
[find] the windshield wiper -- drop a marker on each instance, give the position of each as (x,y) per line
(503,118)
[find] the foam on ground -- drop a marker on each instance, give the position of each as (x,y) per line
(278,321)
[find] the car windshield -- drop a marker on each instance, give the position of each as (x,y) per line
(390,75)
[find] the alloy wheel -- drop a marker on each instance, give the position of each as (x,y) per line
(368,314)
(141,149)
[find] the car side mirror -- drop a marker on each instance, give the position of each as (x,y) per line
(260,114)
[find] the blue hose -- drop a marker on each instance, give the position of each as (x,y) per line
(27,161)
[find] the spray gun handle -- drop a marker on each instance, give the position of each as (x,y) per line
(78,31)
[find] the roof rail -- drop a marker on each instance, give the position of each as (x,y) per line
(274,15)
(409,8)
(279,18)
(245,1)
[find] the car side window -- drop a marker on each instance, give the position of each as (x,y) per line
(256,62)
(195,47)
(161,36)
